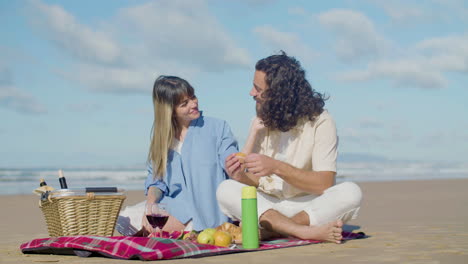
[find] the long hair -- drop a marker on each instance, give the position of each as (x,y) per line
(289,96)
(168,91)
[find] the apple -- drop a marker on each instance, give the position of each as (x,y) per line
(205,238)
(222,238)
(210,231)
(190,236)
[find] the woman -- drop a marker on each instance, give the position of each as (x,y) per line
(185,162)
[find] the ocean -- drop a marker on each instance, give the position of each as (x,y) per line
(25,180)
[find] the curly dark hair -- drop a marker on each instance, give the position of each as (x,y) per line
(289,96)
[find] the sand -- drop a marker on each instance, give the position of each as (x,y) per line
(407,222)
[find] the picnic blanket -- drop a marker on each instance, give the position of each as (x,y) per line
(144,248)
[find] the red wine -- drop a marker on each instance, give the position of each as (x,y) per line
(157,220)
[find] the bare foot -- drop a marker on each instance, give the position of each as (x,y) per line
(330,232)
(267,235)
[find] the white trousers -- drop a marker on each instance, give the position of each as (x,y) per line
(340,201)
(129,220)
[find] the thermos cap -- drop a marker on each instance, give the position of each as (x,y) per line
(249,192)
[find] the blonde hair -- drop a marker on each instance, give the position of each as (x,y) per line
(167,93)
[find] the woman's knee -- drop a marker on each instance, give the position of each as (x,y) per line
(228,195)
(225,191)
(173,224)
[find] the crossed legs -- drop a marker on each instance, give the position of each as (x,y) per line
(279,225)
(307,217)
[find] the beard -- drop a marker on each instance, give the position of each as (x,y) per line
(259,108)
(258,105)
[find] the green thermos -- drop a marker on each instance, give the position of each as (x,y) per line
(249,218)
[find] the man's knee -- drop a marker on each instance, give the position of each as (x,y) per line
(351,193)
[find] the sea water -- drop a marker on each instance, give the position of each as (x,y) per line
(24,180)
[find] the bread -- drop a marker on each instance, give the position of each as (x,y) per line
(241,156)
(235,231)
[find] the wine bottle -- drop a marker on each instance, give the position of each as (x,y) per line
(62,180)
(42,182)
(44,193)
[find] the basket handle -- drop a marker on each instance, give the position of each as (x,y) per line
(101,189)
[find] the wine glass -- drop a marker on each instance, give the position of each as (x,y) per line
(157,215)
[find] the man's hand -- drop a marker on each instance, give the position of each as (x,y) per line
(235,170)
(260,165)
(257,125)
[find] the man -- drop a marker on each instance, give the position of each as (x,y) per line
(291,159)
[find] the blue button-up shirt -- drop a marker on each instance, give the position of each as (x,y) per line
(192,177)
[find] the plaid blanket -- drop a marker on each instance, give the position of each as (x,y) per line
(144,248)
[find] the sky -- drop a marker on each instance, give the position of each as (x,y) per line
(76,76)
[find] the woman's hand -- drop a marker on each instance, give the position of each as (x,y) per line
(233,167)
(146,228)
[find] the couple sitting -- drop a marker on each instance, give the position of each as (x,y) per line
(291,154)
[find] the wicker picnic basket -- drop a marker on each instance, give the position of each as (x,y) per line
(87,211)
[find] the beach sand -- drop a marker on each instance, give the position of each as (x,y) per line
(406,221)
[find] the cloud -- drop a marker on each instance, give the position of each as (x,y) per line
(446,53)
(123,80)
(14,99)
(404,13)
(431,59)
(370,132)
(422,65)
(184,31)
(11,97)
(289,42)
(111,79)
(356,35)
(407,13)
(123,54)
(402,73)
(74,38)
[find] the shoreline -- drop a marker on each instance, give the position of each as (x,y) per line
(411,221)
(338,180)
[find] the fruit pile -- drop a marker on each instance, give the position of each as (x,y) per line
(215,237)
(222,236)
